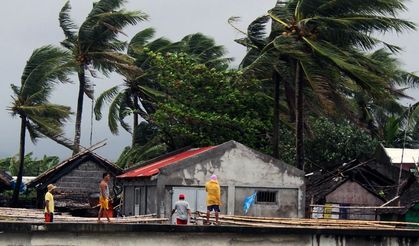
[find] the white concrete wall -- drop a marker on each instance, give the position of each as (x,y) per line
(192,239)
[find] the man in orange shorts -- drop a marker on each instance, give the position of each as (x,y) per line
(104,197)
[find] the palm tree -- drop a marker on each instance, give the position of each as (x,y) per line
(324,42)
(134,96)
(95,46)
(39,117)
(270,68)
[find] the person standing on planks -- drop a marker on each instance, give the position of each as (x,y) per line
(183,211)
(49,203)
(104,197)
(213,198)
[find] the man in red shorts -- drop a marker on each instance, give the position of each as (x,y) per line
(183,211)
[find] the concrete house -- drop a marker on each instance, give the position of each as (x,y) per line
(154,187)
(77,179)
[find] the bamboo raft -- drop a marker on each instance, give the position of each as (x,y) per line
(37,216)
(272,222)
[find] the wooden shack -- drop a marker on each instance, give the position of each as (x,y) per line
(77,179)
(347,191)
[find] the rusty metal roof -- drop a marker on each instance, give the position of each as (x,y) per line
(154,168)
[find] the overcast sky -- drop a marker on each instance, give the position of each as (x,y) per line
(26,25)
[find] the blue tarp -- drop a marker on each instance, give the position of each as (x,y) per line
(22,186)
(248,202)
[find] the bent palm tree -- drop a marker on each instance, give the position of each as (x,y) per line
(134,96)
(95,46)
(39,117)
(324,42)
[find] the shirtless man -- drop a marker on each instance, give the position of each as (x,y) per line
(104,197)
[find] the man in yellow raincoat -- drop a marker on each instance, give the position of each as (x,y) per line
(213,197)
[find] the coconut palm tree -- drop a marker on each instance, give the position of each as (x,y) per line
(270,68)
(46,66)
(134,96)
(323,42)
(95,46)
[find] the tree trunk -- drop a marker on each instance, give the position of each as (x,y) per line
(134,127)
(15,198)
(290,98)
(79,113)
(275,135)
(299,86)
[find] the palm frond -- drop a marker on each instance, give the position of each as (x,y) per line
(104,98)
(113,114)
(68,26)
(367,79)
(33,133)
(257,31)
(373,7)
(46,66)
(104,6)
(140,40)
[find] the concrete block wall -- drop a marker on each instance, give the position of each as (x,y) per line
(82,180)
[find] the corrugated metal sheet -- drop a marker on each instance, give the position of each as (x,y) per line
(409,155)
(154,168)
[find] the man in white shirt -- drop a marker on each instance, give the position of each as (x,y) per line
(183,211)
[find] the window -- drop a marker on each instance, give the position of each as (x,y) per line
(266,197)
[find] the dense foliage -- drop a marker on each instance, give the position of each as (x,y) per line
(207,106)
(336,143)
(33,165)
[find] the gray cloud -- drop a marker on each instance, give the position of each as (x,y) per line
(27,25)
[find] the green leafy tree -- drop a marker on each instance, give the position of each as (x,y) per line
(207,106)
(39,117)
(333,144)
(95,46)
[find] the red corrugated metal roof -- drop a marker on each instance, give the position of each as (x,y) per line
(154,168)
